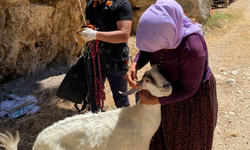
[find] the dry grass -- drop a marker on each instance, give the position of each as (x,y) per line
(221,21)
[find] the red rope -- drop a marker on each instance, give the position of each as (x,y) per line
(99,88)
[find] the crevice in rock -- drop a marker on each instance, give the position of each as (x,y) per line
(45,2)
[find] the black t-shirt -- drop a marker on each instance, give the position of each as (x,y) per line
(105,19)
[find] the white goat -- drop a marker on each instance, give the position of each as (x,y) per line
(129,128)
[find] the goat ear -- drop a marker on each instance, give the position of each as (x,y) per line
(154,66)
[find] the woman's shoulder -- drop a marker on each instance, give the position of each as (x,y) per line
(194,45)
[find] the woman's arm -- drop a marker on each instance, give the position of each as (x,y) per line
(191,76)
(141,59)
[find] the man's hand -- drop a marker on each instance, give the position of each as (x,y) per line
(86,34)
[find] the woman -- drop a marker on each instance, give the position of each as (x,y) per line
(167,38)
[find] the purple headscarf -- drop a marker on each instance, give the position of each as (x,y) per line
(163,25)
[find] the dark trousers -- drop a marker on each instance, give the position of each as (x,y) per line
(118,82)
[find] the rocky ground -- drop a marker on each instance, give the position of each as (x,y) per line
(229,60)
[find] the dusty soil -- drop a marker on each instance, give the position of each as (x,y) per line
(229,60)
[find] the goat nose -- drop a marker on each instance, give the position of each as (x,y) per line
(166,85)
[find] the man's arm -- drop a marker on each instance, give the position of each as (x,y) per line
(118,36)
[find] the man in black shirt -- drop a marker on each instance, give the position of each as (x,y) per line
(113,20)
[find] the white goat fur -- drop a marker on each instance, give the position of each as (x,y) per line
(129,128)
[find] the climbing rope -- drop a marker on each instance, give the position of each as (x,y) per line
(83,16)
(94,52)
(99,87)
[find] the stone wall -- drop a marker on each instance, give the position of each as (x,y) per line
(37,33)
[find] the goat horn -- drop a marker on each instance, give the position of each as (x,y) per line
(131,91)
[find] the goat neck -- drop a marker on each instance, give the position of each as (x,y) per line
(138,124)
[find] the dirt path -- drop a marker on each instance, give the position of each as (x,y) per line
(229,60)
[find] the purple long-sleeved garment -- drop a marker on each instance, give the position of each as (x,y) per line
(185,67)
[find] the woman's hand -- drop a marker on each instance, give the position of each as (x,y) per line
(147,98)
(132,76)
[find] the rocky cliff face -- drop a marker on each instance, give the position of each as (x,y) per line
(37,33)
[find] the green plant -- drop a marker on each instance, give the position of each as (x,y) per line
(216,19)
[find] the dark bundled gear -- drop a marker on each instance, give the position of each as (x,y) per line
(74,85)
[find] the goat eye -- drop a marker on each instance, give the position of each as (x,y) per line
(147,80)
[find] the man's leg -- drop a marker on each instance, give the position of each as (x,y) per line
(118,82)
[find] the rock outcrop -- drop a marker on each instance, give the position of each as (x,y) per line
(198,9)
(36,33)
